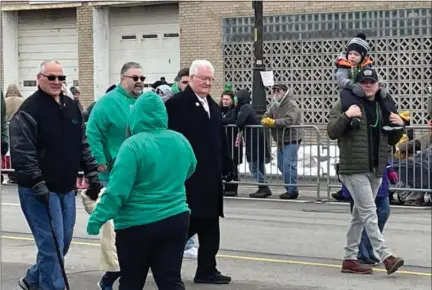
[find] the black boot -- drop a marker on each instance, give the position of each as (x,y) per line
(262,192)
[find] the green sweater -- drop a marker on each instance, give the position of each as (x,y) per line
(147,182)
(106,127)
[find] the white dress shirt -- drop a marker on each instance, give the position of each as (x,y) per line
(204,103)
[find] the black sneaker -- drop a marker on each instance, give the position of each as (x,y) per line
(216,278)
(288,195)
(262,192)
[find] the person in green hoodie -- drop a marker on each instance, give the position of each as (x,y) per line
(146,197)
(106,127)
(181,81)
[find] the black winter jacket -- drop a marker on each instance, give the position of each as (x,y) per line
(48,143)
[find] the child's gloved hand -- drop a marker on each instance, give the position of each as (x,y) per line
(268,122)
(358,91)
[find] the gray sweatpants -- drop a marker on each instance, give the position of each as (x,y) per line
(364,189)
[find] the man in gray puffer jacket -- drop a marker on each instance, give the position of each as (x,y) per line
(280,116)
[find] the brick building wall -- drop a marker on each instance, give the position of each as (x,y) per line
(202,37)
(85,53)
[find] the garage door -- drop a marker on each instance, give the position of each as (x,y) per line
(44,35)
(148,35)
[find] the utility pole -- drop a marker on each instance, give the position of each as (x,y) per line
(259,101)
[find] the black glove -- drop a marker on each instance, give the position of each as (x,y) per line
(358,91)
(4,148)
(42,193)
(94,186)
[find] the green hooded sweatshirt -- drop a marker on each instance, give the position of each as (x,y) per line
(106,127)
(147,182)
(175,89)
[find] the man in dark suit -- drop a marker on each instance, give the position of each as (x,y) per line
(197,116)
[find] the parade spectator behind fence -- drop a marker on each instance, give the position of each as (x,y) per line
(228,105)
(256,148)
(48,145)
(366,253)
(76,95)
(106,126)
(283,113)
(146,198)
(348,65)
(165,92)
(13,100)
(363,158)
(198,117)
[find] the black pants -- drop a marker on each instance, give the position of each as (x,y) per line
(158,246)
(208,233)
(110,277)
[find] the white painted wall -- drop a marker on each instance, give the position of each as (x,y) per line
(101,50)
(10,49)
(159,56)
(43,35)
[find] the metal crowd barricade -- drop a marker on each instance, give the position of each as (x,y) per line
(255,152)
(413,164)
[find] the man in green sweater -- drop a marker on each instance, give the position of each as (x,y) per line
(146,197)
(106,126)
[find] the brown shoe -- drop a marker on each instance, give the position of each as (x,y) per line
(354,267)
(392,264)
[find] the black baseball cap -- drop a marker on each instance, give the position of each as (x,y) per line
(366,73)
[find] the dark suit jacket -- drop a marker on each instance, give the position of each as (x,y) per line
(204,188)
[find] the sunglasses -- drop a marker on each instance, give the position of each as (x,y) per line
(52,78)
(185,82)
(136,78)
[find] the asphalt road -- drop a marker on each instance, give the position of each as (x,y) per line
(266,244)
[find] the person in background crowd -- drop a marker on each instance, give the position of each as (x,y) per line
(90,108)
(47,125)
(228,105)
(76,95)
(66,91)
(366,253)
(4,131)
(348,65)
(256,148)
(106,126)
(158,83)
(181,81)
(146,197)
(165,92)
(13,100)
(283,113)
(197,116)
(363,158)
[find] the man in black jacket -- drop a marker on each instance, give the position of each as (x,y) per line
(197,116)
(48,145)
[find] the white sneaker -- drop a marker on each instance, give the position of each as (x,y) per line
(192,253)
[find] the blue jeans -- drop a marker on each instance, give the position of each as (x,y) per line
(383,212)
(257,169)
(46,273)
(287,164)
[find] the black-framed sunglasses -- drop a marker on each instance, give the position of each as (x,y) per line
(136,78)
(52,78)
